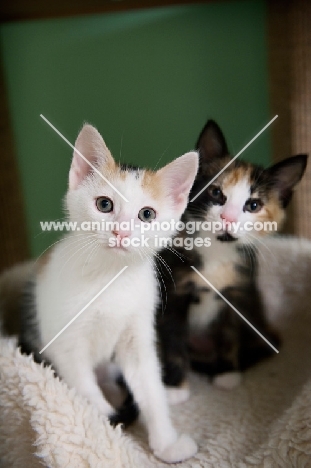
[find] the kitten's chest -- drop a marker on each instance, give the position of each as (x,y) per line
(113,301)
(100,309)
(219,269)
(102,330)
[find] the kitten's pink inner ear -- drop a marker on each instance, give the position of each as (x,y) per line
(177,178)
(92,147)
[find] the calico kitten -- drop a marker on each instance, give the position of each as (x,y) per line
(197,327)
(119,325)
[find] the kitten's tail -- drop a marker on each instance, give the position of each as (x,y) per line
(12,283)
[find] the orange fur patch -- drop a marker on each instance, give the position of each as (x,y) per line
(109,168)
(122,174)
(271,211)
(223,274)
(151,183)
(236,175)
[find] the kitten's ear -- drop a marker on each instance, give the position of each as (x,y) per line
(177,178)
(90,149)
(211,142)
(286,174)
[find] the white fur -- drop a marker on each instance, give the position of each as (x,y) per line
(236,196)
(175,453)
(228,380)
(221,254)
(177,395)
(271,411)
(119,323)
(201,314)
(106,377)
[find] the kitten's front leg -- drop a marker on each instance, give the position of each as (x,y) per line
(78,373)
(172,328)
(137,358)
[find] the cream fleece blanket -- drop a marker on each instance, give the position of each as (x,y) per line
(266,422)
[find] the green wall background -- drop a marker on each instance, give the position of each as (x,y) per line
(147,79)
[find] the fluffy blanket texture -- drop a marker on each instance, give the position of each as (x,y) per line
(265,422)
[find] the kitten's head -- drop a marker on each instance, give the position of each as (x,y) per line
(129,198)
(243,193)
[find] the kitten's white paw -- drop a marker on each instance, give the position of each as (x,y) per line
(176,395)
(228,380)
(182,449)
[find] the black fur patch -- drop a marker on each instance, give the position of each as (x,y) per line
(226,237)
(126,414)
(125,167)
(29,339)
(230,343)
(129,167)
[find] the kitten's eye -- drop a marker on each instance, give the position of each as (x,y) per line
(104,204)
(253,206)
(215,192)
(146,215)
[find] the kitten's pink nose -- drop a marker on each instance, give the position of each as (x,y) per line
(228,217)
(121,234)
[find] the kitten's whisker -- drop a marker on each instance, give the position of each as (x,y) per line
(164,263)
(67,249)
(261,242)
(161,156)
(178,254)
(50,246)
(141,254)
(244,250)
(159,277)
(78,237)
(121,147)
(248,248)
(86,244)
(162,281)
(48,232)
(89,257)
(73,242)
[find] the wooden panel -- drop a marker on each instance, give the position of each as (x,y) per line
(280,92)
(16,10)
(289,39)
(301,106)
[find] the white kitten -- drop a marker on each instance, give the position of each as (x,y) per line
(119,324)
